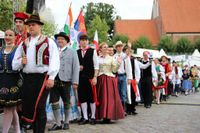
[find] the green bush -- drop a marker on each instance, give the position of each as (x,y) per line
(142,42)
(184,45)
(166,43)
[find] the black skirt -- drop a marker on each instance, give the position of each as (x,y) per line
(10,89)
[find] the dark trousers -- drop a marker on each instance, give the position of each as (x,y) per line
(146,87)
(40,122)
(32,112)
(131,107)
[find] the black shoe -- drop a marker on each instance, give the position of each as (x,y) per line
(55,127)
(83,122)
(23,130)
(129,113)
(65,126)
(106,121)
(148,106)
(92,121)
(134,113)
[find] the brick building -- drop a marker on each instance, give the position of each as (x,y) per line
(175,18)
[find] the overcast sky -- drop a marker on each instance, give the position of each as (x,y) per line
(127,9)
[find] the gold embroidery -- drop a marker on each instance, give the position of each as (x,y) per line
(14,89)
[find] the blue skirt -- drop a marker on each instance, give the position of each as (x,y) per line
(187,85)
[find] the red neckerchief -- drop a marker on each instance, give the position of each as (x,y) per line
(85,50)
(20,38)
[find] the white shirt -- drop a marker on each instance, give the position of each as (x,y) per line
(137,70)
(124,68)
(51,69)
(176,79)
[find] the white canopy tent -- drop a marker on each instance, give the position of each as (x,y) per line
(152,53)
(195,58)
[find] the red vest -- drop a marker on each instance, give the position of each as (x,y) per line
(42,50)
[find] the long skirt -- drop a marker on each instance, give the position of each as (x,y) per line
(110,105)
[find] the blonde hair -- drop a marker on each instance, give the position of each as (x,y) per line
(102,44)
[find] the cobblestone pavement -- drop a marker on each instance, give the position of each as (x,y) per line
(177,115)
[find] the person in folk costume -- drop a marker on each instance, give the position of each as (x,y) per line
(186,83)
(68,75)
(133,91)
(159,86)
(9,84)
(38,57)
(89,67)
(110,107)
(124,73)
(176,78)
(168,70)
(20,26)
(148,76)
(195,78)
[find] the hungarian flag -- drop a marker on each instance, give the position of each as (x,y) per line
(96,41)
(68,22)
(79,29)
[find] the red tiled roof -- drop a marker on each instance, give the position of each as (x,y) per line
(180,15)
(136,28)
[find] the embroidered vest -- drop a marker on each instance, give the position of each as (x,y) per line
(6,61)
(42,50)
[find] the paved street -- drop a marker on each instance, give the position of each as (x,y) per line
(178,115)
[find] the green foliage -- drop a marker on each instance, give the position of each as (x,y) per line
(184,46)
(105,11)
(101,26)
(6,15)
(197,44)
(166,43)
(118,37)
(22,5)
(142,42)
(49,29)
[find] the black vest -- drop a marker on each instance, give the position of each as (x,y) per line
(133,66)
(87,63)
(146,72)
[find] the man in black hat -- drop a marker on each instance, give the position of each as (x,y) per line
(38,57)
(87,79)
(68,75)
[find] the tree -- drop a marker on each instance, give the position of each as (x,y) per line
(101,26)
(184,45)
(118,37)
(197,44)
(166,43)
(142,42)
(6,15)
(49,29)
(104,11)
